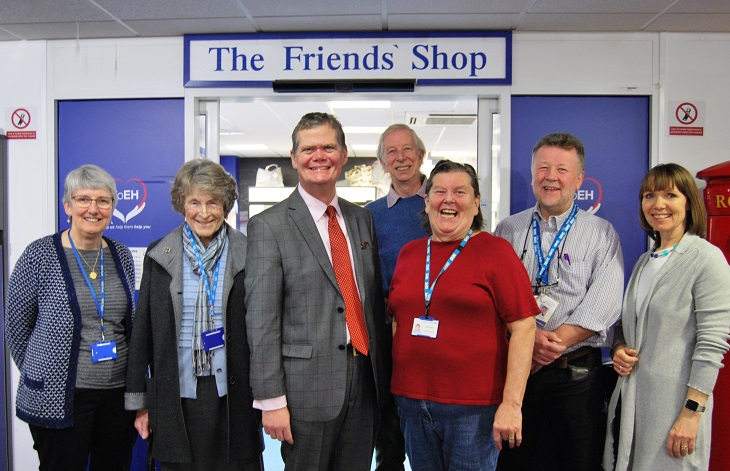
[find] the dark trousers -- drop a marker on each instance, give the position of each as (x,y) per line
(102,435)
(206,424)
(347,442)
(563,419)
(390,451)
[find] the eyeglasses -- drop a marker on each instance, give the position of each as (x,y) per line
(211,207)
(85,202)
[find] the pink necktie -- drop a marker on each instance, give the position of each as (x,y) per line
(343,271)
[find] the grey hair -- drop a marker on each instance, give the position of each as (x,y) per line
(207,177)
(393,128)
(564,141)
(90,177)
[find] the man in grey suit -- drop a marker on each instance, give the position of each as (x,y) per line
(319,394)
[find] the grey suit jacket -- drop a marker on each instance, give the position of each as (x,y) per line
(295,321)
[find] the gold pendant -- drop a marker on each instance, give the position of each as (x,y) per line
(92,275)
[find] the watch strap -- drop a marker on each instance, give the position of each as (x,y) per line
(694,406)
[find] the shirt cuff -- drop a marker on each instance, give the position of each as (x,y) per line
(270,404)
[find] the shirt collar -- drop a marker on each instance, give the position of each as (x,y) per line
(392,197)
(552,221)
(316,207)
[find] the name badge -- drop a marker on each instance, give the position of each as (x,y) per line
(103,351)
(547,307)
(425,327)
(212,339)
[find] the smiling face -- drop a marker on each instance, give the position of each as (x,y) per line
(88,223)
(318,160)
(402,158)
(666,213)
(556,176)
(451,206)
(204,214)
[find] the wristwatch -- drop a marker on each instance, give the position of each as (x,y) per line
(694,406)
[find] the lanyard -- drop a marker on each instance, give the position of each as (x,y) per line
(209,290)
(543,262)
(99,306)
(428,288)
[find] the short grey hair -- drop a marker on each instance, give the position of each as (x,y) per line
(207,177)
(91,177)
(390,130)
(564,141)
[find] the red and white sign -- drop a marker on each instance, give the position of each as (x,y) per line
(20,118)
(688,118)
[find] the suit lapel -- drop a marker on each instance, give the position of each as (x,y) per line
(302,218)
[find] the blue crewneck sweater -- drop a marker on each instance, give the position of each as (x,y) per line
(394,228)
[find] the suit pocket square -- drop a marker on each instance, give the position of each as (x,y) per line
(364,245)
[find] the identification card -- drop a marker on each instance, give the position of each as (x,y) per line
(547,307)
(425,327)
(103,351)
(212,339)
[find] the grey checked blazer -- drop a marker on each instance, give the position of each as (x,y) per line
(295,321)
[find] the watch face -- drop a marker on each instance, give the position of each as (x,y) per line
(694,406)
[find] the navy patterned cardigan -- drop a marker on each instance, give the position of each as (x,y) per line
(43,325)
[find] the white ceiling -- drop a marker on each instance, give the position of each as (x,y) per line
(271,122)
(70,19)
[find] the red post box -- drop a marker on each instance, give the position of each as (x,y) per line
(717,202)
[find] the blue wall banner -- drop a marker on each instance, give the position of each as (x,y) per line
(141,144)
(436,58)
(615,132)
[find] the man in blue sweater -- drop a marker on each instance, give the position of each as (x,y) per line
(397,218)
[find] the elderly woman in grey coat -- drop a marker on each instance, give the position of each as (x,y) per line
(188,376)
(672,337)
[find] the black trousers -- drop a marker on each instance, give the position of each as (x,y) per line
(563,419)
(390,447)
(102,435)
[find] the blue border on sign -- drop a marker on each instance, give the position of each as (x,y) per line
(188,38)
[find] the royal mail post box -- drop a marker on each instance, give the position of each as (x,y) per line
(717,202)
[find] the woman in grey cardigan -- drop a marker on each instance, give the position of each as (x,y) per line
(188,375)
(672,337)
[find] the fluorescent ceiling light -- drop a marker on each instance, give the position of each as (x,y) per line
(363,129)
(364,147)
(245,147)
(363,104)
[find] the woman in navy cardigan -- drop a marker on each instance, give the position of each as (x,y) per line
(68,324)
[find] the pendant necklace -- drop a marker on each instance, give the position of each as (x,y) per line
(93,273)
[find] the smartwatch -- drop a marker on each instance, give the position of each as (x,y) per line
(694,406)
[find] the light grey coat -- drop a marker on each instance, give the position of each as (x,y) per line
(681,334)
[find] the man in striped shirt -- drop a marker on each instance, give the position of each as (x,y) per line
(575,262)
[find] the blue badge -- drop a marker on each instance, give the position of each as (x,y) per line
(103,351)
(212,339)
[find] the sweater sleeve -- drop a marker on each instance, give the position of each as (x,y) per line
(712,315)
(22,307)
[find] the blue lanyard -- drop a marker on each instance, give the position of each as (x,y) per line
(99,306)
(543,262)
(209,290)
(428,288)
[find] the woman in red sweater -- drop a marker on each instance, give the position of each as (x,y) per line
(457,296)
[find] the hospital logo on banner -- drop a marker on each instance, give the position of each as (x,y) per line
(132,199)
(590,195)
